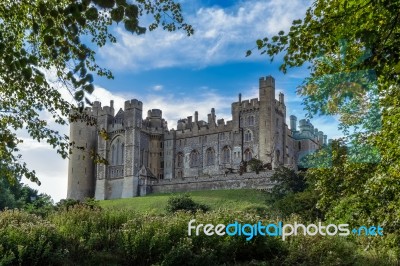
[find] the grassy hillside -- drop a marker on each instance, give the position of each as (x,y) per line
(239,199)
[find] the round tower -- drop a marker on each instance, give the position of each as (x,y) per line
(81,177)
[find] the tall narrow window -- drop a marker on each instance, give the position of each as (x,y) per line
(194,159)
(122,153)
(247,155)
(113,155)
(179,160)
(278,155)
(226,155)
(210,156)
(247,136)
(117,152)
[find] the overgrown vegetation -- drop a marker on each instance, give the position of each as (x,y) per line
(85,236)
(292,194)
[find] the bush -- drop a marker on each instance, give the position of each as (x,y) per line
(185,203)
(28,240)
(255,165)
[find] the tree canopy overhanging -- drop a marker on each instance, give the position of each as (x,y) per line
(352,48)
(47,35)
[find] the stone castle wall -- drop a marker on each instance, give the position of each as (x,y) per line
(230,181)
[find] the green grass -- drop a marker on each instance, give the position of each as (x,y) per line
(235,200)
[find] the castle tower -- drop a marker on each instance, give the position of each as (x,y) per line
(156,150)
(133,125)
(81,177)
(105,116)
(293,123)
(267,118)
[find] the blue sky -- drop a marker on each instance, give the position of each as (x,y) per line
(181,74)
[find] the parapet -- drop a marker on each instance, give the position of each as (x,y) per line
(133,104)
(155,113)
(267,81)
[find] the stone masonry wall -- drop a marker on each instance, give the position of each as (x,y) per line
(231,181)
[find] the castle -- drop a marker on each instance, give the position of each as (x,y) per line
(143,155)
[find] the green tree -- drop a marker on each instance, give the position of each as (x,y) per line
(352,48)
(292,194)
(37,36)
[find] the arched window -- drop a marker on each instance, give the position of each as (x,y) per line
(210,156)
(179,160)
(226,155)
(247,155)
(248,136)
(194,159)
(117,151)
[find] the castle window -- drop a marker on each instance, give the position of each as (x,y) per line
(247,155)
(117,152)
(250,120)
(299,145)
(194,159)
(226,155)
(247,136)
(179,160)
(179,174)
(277,155)
(210,155)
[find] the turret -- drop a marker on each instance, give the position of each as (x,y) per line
(293,123)
(267,118)
(81,178)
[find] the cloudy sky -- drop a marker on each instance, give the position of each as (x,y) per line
(180,74)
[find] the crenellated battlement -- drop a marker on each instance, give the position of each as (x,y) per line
(133,104)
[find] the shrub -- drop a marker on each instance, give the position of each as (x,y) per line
(185,203)
(255,165)
(29,240)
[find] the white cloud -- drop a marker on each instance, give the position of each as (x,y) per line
(157,87)
(221,35)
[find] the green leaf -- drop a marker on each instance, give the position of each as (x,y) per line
(79,95)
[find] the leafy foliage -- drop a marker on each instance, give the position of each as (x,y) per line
(88,236)
(17,195)
(353,52)
(184,203)
(255,165)
(38,37)
(291,194)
